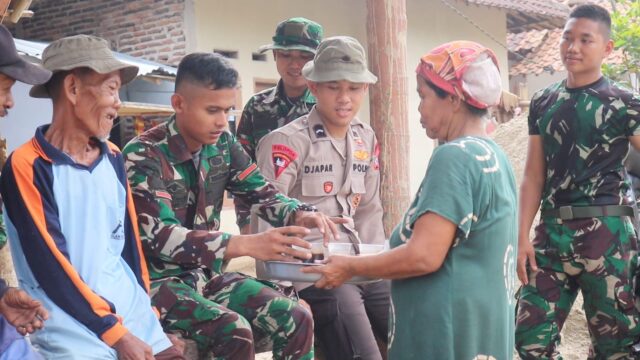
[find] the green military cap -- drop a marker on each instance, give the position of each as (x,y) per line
(339,58)
(296,34)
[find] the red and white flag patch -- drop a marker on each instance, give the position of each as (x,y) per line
(163,195)
(282,156)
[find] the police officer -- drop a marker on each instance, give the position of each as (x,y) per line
(294,44)
(329,158)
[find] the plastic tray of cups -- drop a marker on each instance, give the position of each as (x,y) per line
(285,270)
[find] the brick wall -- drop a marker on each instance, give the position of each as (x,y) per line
(150,29)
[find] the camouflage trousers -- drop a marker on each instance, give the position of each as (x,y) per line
(596,256)
(224,314)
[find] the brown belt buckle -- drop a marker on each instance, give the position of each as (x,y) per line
(565,212)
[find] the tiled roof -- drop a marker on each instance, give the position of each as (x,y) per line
(538,7)
(541,50)
(547,56)
(526,41)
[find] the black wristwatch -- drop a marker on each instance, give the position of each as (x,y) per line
(306,207)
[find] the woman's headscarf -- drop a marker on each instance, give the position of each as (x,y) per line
(465,69)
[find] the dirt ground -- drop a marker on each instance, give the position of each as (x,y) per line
(512,137)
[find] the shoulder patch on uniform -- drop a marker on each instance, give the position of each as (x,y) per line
(282,156)
(243,175)
(163,195)
(319,131)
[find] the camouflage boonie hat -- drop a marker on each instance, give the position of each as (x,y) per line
(296,34)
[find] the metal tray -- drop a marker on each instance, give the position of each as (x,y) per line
(283,270)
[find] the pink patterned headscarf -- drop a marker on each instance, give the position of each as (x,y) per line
(465,69)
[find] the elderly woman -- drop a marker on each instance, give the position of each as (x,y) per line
(452,260)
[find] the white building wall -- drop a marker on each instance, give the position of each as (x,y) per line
(27,114)
(431,23)
(245,25)
(538,82)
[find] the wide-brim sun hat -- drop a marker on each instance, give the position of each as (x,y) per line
(82,51)
(339,58)
(465,69)
(13,66)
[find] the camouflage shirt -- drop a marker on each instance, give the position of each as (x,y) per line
(585,141)
(179,203)
(269,110)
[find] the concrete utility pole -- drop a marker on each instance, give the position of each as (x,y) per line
(387,47)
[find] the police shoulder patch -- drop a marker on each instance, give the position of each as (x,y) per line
(282,156)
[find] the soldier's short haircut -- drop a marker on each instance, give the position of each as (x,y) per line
(207,69)
(595,13)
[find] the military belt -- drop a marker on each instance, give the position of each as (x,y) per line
(581,212)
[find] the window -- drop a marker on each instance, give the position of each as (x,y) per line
(229,54)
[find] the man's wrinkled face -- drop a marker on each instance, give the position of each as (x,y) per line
(6,98)
(98,102)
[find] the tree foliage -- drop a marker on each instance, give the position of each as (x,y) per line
(625,32)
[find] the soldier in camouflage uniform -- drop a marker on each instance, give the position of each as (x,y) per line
(294,44)
(178,173)
(580,130)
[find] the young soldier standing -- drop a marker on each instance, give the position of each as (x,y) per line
(294,44)
(580,130)
(329,158)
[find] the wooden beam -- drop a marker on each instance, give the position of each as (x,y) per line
(135,108)
(25,14)
(4,6)
(387,48)
(18,9)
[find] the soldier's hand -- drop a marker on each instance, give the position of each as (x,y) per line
(334,273)
(326,225)
(129,347)
(273,244)
(23,312)
(526,254)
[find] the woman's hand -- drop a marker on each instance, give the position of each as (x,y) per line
(334,272)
